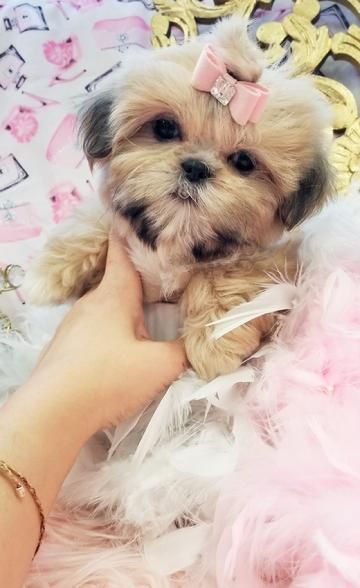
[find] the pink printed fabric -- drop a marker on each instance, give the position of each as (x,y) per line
(53,54)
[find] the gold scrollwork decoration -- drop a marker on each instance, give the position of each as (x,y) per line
(347,44)
(342,101)
(354,4)
(345,155)
(309,44)
(183,14)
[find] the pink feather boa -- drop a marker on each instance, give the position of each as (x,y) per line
(288,515)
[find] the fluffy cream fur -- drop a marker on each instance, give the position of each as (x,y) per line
(210,244)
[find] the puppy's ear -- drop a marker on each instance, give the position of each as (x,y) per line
(94,129)
(315,187)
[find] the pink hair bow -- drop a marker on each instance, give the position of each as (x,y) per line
(246,100)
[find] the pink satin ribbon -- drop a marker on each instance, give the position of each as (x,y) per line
(246,100)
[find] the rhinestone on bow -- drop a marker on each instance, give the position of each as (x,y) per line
(223,90)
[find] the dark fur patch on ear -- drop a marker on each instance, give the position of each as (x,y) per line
(314,187)
(94,130)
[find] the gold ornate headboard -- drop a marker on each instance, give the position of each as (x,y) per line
(310,46)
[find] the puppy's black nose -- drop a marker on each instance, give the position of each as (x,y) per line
(196,170)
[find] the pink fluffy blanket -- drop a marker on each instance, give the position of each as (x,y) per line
(251,481)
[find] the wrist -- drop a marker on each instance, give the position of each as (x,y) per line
(53,409)
(41,435)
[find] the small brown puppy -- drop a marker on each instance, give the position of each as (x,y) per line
(200,199)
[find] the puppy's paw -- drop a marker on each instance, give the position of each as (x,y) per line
(210,357)
(213,291)
(206,299)
(44,284)
(68,267)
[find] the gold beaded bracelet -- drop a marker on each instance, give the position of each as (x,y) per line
(20,485)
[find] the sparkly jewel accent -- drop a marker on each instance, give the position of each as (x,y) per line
(223,90)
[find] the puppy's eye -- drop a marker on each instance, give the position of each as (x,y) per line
(243,162)
(166,129)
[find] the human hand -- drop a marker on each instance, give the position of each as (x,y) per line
(99,368)
(101,361)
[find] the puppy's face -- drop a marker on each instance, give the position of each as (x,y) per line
(190,181)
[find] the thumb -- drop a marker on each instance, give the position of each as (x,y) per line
(166,361)
(119,270)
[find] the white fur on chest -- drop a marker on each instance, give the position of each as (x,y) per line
(162,279)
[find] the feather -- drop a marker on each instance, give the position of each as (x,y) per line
(275,298)
(175,406)
(171,413)
(119,433)
(177,550)
(347,566)
(223,392)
